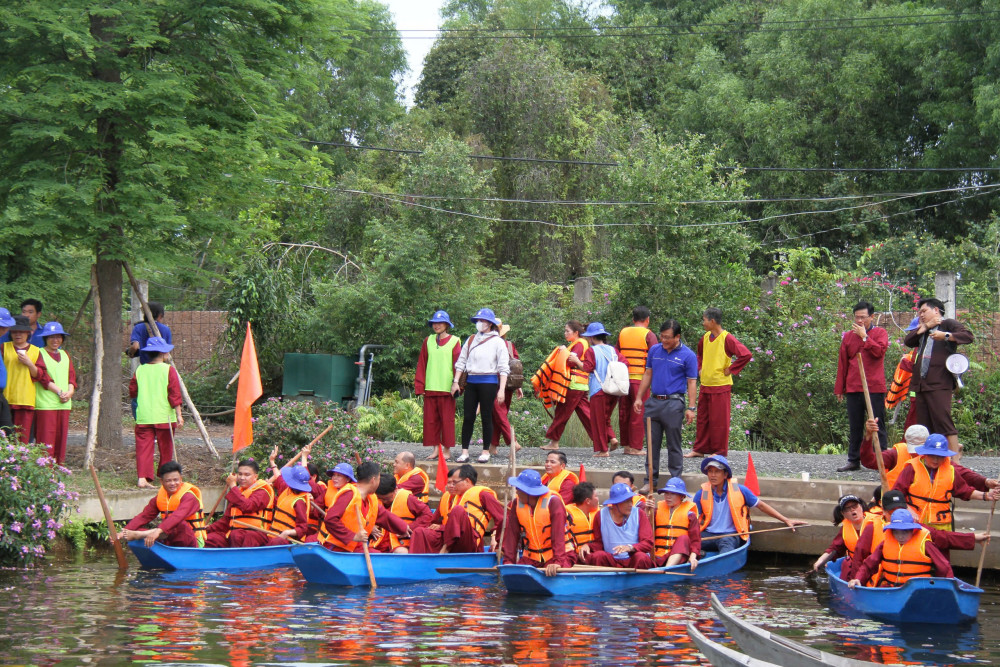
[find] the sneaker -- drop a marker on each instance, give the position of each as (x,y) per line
(463,457)
(484,458)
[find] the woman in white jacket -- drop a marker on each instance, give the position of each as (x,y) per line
(485,361)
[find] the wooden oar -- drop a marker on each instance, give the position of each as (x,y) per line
(754,532)
(651,494)
(575,568)
(982,555)
(232,469)
(119,550)
(875,438)
(247,526)
(506,504)
(364,544)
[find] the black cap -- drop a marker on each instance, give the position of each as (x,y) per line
(21,324)
(893,500)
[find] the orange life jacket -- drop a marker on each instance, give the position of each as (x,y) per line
(447,501)
(555,481)
(737,507)
(580,525)
(850,535)
(168,505)
(472,501)
(902,456)
(902,562)
(671,524)
(424,494)
(314,519)
(576,375)
(536,529)
(261,519)
(284,508)
(900,384)
(401,508)
(931,501)
(350,518)
(551,381)
(638,498)
(632,344)
(332,492)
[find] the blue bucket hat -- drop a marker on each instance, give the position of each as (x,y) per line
(344,469)
(53,329)
(914,324)
(440,316)
(5,319)
(485,314)
(157,344)
(530,482)
(595,329)
(716,461)
(902,519)
(296,477)
(675,485)
(935,445)
(620,492)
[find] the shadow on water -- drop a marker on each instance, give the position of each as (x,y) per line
(73,613)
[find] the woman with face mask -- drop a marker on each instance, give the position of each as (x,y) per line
(485,362)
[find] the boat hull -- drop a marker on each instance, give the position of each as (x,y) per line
(319,565)
(528,580)
(722,656)
(162,557)
(920,600)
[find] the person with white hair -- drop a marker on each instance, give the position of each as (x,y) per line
(894,459)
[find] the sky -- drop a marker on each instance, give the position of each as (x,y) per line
(415,14)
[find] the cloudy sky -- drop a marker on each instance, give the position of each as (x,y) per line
(415,14)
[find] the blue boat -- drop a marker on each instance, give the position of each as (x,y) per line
(935,600)
(319,565)
(162,557)
(528,580)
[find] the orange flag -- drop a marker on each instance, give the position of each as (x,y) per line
(247,391)
(441,480)
(583,474)
(751,479)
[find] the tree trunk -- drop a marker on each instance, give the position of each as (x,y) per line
(109,287)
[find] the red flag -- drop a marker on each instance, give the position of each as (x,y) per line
(583,474)
(442,472)
(247,391)
(751,480)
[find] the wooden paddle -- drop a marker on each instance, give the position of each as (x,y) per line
(651,494)
(364,544)
(982,555)
(506,505)
(247,526)
(754,532)
(575,568)
(119,550)
(875,438)
(232,469)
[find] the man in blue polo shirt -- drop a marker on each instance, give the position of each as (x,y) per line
(671,375)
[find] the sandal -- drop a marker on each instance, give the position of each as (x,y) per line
(484,458)
(463,457)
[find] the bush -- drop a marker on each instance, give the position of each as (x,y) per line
(33,498)
(291,425)
(391,417)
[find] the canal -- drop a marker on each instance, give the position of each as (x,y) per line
(73,612)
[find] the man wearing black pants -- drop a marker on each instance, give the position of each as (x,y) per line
(671,374)
(871,342)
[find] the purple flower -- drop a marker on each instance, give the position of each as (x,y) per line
(16,526)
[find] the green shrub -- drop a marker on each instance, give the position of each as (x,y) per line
(33,498)
(391,417)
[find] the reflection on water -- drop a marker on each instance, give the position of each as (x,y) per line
(76,613)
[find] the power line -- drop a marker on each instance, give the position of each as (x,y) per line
(476,157)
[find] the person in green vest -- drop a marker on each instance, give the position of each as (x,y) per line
(157,390)
(435,371)
(53,400)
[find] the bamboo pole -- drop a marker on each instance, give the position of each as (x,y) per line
(982,555)
(871,415)
(112,533)
(754,532)
(247,526)
(155,330)
(651,494)
(364,545)
(95,394)
(506,504)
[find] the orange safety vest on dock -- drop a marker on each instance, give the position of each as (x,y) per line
(900,384)
(551,381)
(632,344)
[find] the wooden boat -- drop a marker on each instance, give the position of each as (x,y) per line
(920,600)
(777,649)
(528,580)
(162,557)
(319,565)
(722,656)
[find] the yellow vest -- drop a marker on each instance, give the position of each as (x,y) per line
(59,372)
(20,389)
(714,360)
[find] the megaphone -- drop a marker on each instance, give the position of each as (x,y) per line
(956,365)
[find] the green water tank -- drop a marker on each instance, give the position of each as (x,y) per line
(320,377)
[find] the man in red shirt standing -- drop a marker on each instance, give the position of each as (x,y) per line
(871,342)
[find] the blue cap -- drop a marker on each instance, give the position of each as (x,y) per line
(595,329)
(157,344)
(914,323)
(902,520)
(296,477)
(344,469)
(440,316)
(53,329)
(620,492)
(530,482)
(935,445)
(716,461)
(675,485)
(5,319)
(485,314)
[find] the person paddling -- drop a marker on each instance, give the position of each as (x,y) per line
(906,552)
(179,507)
(537,524)
(849,516)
